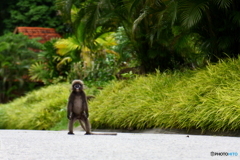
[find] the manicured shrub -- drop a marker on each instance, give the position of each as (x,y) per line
(206,99)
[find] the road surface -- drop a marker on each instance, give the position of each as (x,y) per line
(57,145)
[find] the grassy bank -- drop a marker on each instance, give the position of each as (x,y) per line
(207,99)
(40,109)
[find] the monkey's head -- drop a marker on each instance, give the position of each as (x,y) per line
(77,85)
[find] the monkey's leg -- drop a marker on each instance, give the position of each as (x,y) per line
(87,125)
(70,126)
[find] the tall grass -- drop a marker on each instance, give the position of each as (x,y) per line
(40,109)
(207,99)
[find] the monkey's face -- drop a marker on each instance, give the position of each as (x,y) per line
(77,87)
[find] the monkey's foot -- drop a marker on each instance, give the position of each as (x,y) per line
(70,133)
(87,133)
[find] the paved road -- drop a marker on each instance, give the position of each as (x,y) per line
(57,145)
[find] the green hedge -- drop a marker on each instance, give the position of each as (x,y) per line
(207,99)
(40,109)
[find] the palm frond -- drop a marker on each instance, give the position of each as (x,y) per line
(65,46)
(38,71)
(134,4)
(86,22)
(106,39)
(63,62)
(192,11)
(236,17)
(223,3)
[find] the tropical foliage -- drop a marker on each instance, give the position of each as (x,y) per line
(157,34)
(98,63)
(216,21)
(32,13)
(16,56)
(205,99)
(164,34)
(50,67)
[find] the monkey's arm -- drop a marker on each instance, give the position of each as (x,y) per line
(69,108)
(86,110)
(85,105)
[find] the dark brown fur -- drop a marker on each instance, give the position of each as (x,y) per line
(77,109)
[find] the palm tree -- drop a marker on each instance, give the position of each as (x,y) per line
(147,23)
(216,21)
(151,32)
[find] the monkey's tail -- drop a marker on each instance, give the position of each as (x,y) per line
(110,134)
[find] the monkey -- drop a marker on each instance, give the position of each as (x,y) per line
(77,109)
